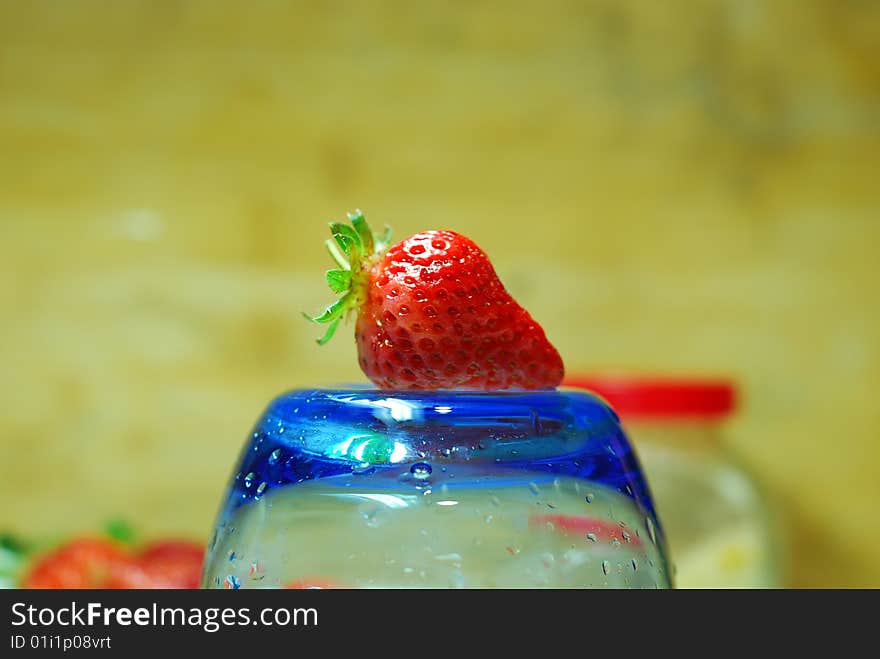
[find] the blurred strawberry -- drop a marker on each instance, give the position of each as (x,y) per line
(81,563)
(100,563)
(172,563)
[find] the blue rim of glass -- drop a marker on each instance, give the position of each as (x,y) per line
(320,433)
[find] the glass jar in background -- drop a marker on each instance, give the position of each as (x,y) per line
(718,525)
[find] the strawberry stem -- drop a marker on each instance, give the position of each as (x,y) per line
(336,255)
(120,530)
(354,248)
(359,222)
(338,280)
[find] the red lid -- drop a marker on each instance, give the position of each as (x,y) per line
(661,398)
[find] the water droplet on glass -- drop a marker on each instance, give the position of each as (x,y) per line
(652,533)
(421,470)
(591,537)
(635,565)
(249,479)
(372,517)
(533,488)
(606,567)
(231,583)
(589,497)
(495,501)
(488,519)
(275,456)
(262,488)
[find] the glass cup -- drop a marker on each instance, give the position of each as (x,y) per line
(364,488)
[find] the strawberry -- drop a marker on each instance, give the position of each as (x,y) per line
(81,563)
(432,314)
(171,564)
(100,563)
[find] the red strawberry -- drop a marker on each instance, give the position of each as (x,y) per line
(171,564)
(82,563)
(99,563)
(432,314)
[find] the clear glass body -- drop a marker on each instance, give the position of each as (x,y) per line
(719,527)
(362,488)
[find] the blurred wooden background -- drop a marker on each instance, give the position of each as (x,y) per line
(685,187)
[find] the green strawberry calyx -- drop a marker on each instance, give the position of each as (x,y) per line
(356,249)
